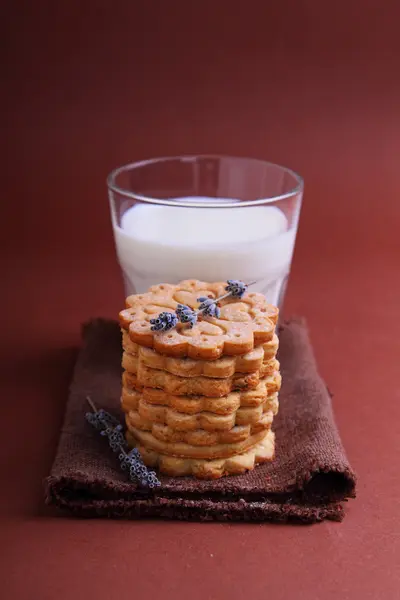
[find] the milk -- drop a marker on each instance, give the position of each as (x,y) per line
(165,244)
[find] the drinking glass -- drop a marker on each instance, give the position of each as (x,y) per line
(210,217)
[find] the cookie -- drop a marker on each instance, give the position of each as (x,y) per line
(154,413)
(204,386)
(221,368)
(194,404)
(199,437)
(243,323)
(188,367)
(189,386)
(261,452)
(151,359)
(181,449)
(131,363)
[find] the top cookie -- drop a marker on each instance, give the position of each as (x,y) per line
(243,323)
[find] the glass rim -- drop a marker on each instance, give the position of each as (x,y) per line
(112,185)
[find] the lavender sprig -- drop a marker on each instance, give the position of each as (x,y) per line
(131,460)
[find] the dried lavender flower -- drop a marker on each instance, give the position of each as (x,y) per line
(164,322)
(236,288)
(208,307)
(186,315)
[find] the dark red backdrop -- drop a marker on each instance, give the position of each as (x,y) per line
(90,85)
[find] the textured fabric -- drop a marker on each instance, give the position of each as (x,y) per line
(308,481)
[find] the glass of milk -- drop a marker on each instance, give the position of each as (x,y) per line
(211,218)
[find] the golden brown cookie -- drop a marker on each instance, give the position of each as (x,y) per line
(181,449)
(243,324)
(199,437)
(263,451)
(154,413)
(194,404)
(192,386)
(131,363)
(188,367)
(221,368)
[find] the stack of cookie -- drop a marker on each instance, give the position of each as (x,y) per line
(200,398)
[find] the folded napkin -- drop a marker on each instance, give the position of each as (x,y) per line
(307,482)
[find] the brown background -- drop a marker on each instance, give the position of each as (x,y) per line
(88,85)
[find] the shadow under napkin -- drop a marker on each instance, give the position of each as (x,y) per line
(307,482)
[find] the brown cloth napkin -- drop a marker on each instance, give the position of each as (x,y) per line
(307,482)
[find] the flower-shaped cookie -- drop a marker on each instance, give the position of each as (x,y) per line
(243,323)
